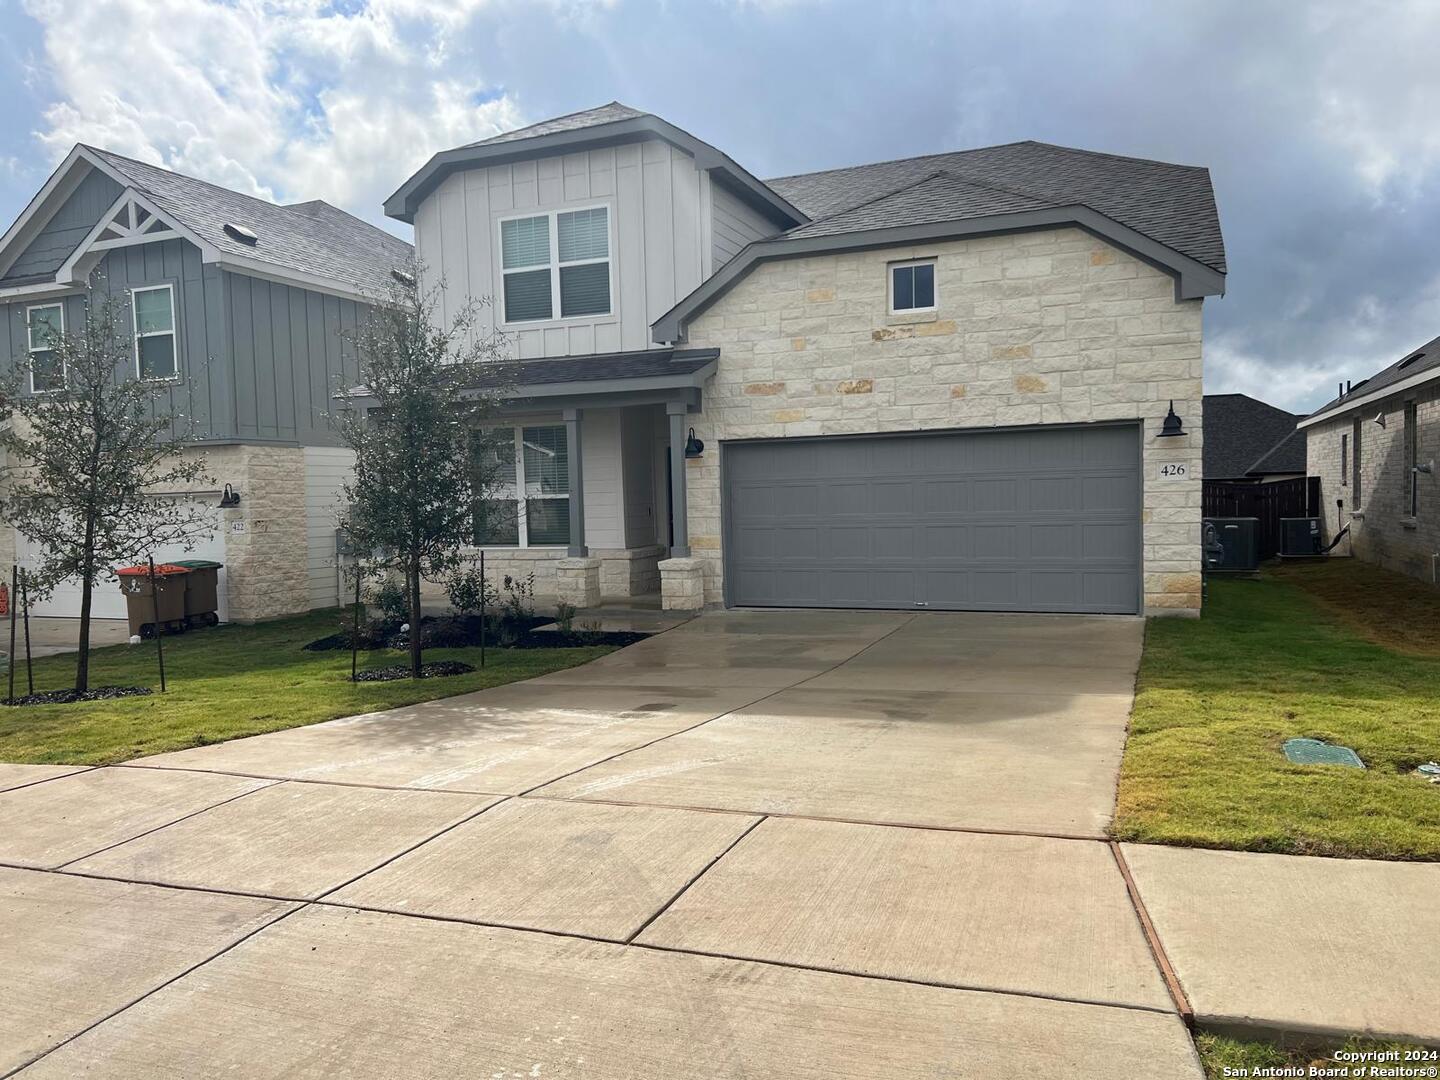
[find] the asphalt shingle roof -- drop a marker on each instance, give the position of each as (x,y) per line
(938,197)
(604,366)
(605,114)
(1425,358)
(1173,204)
(310,237)
(1244,435)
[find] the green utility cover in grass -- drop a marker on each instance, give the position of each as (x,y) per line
(1315,752)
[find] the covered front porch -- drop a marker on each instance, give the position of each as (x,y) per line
(597,509)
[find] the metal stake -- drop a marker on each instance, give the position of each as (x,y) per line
(482,608)
(355,633)
(25,614)
(14,587)
(155,603)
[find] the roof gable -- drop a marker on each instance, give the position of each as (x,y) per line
(1243,433)
(1173,204)
(1416,366)
(609,125)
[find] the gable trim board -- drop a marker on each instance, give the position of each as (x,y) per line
(1193,279)
(407,198)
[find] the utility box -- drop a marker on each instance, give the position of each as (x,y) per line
(1300,538)
(1231,545)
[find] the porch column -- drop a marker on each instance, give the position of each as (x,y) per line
(577,549)
(679,508)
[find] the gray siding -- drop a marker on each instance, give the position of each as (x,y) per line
(661,249)
(290,357)
(733,224)
(63,232)
(257,359)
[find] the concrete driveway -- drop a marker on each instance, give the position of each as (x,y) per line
(811,844)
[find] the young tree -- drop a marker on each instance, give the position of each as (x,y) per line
(84,454)
(422,477)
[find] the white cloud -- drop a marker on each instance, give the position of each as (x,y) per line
(284,99)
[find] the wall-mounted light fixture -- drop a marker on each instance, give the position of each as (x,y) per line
(1172,426)
(694,447)
(229,497)
(1379,420)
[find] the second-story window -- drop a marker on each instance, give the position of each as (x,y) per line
(912,286)
(556,265)
(44,323)
(153,309)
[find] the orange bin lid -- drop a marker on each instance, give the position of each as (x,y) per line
(161,570)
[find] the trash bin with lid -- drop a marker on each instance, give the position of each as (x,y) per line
(202,591)
(169,594)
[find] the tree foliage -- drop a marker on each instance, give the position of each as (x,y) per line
(422,473)
(85,459)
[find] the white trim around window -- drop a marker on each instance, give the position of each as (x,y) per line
(32,349)
(531,261)
(551,493)
(891,272)
(156,334)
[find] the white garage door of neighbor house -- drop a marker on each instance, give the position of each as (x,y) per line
(108,602)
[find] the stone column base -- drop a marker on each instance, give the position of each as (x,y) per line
(682,584)
(577,581)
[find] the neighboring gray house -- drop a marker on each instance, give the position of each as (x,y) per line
(1250,441)
(935,383)
(1375,448)
(239,305)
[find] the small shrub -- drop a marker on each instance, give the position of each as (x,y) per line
(565,615)
(519,602)
(469,592)
(389,597)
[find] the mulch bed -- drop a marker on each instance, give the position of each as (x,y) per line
(402,671)
(464,633)
(70,697)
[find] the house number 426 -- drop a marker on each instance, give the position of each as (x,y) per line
(1174,472)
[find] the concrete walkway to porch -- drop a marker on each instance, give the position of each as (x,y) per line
(810,844)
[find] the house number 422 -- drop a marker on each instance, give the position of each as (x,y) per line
(1174,472)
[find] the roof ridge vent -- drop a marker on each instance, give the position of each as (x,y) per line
(1408,360)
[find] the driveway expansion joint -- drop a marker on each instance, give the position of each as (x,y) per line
(1152,938)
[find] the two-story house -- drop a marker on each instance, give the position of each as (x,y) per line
(239,308)
(967,381)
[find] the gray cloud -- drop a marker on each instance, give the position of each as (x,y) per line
(1315,119)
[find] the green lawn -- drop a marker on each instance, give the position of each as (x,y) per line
(1309,650)
(233,681)
(1219,1053)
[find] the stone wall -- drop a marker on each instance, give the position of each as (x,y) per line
(623,571)
(266,554)
(1033,328)
(1382,530)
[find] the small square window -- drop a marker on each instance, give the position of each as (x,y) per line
(912,286)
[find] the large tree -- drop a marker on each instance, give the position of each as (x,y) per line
(88,445)
(422,476)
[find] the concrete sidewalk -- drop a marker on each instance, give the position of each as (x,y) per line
(810,844)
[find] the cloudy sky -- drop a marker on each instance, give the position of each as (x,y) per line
(1316,119)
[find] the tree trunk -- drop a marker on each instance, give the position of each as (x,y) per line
(412,585)
(82,659)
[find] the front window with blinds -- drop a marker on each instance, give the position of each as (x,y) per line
(556,265)
(44,323)
(530,470)
(153,309)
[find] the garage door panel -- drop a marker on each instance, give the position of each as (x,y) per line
(1039,519)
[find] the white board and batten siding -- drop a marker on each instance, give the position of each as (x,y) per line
(734,224)
(661,242)
(327,468)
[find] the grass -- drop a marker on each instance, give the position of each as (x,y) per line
(230,682)
(1310,650)
(1219,1053)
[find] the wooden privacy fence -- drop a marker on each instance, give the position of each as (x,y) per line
(1299,497)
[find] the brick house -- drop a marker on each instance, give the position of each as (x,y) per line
(940,383)
(1374,449)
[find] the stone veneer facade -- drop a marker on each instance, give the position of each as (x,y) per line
(1049,327)
(1382,529)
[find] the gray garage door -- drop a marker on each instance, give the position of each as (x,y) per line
(1031,519)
